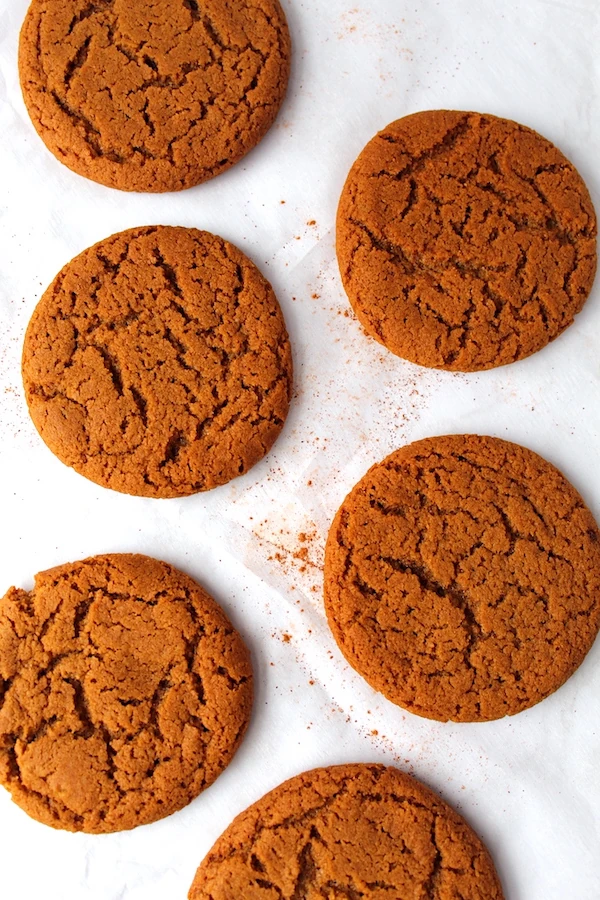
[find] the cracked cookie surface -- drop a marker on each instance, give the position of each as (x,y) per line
(348,831)
(158,364)
(465,241)
(124,693)
(153,96)
(462,578)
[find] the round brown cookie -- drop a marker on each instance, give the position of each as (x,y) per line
(462,578)
(348,831)
(465,241)
(157,363)
(124,693)
(153,96)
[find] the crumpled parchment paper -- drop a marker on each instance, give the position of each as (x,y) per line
(529,785)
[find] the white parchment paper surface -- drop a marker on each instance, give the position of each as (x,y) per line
(529,785)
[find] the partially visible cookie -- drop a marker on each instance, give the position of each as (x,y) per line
(153,96)
(348,831)
(465,241)
(158,364)
(462,578)
(124,692)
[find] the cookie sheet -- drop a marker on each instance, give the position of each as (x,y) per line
(529,785)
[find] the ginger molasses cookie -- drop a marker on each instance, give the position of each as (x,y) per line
(157,363)
(465,241)
(124,693)
(153,96)
(348,831)
(462,578)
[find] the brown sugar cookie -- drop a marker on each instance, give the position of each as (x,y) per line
(462,578)
(153,96)
(465,241)
(158,364)
(124,693)
(348,831)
